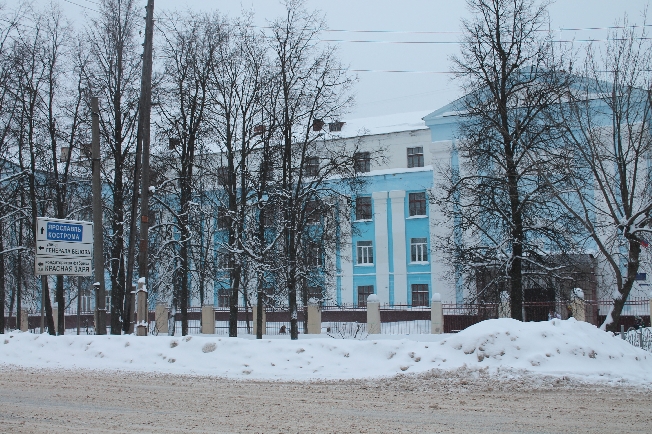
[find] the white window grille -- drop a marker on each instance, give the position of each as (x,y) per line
(415,156)
(419,250)
(365,252)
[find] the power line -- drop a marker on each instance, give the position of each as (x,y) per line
(82,6)
(378,41)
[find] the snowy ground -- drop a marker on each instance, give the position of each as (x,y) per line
(558,348)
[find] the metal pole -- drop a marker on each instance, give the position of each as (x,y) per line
(44,283)
(98,242)
(79,295)
(144,130)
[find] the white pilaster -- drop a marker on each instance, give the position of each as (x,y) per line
(381,254)
(346,255)
(399,247)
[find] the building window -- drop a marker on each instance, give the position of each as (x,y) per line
(365,252)
(222,218)
(362,162)
(641,276)
(222,175)
(312,166)
(313,255)
(419,250)
(417,204)
(415,156)
(363,208)
(267,171)
(419,294)
(335,127)
(86,300)
(269,216)
(313,212)
(363,293)
(224,259)
(315,292)
(223,296)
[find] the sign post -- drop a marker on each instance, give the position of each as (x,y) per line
(63,247)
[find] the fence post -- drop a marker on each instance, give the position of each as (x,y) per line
(314,318)
(132,309)
(207,320)
(650,301)
(24,320)
(578,305)
(55,315)
(504,308)
(373,315)
(143,320)
(161,318)
(254,311)
(436,315)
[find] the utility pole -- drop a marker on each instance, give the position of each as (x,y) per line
(98,242)
(144,136)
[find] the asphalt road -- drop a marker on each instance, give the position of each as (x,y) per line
(46,401)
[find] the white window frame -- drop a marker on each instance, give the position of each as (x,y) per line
(415,156)
(419,250)
(365,252)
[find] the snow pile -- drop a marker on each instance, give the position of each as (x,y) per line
(563,348)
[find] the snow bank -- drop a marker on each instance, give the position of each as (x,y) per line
(557,347)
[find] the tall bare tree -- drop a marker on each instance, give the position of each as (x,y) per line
(505,219)
(191,44)
(114,76)
(313,85)
(605,120)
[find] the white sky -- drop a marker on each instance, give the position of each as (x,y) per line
(380,92)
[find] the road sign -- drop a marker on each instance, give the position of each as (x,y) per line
(67,266)
(48,229)
(64,247)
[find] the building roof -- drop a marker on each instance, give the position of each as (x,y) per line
(386,124)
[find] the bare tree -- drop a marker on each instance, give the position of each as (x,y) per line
(64,66)
(8,169)
(605,120)
(313,85)
(505,219)
(114,75)
(190,49)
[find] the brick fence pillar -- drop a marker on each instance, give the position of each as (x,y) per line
(161,318)
(141,303)
(55,317)
(436,315)
(373,315)
(578,305)
(504,308)
(314,318)
(24,320)
(208,320)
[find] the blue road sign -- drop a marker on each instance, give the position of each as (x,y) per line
(64,232)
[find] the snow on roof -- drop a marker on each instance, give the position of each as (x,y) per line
(385,124)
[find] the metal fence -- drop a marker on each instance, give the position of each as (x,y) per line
(350,320)
(641,338)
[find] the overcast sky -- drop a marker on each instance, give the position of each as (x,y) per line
(394,32)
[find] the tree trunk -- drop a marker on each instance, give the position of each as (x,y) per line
(117,250)
(183,256)
(632,269)
(2,281)
(233,301)
(61,303)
